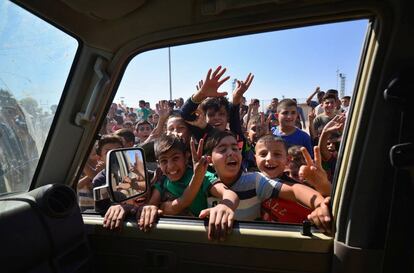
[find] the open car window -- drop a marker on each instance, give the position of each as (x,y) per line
(298,64)
(35,59)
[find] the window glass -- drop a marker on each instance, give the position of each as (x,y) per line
(301,91)
(35,59)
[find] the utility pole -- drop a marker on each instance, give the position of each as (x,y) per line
(169,70)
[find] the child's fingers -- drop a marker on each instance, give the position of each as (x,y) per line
(307,156)
(204,213)
(221,94)
(208,77)
(217,224)
(249,80)
(119,219)
(230,222)
(220,82)
(200,148)
(193,150)
(153,217)
(224,226)
(317,154)
(211,225)
(219,73)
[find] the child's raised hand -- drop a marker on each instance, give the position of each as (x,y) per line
(313,172)
(221,219)
(209,88)
(321,217)
(311,115)
(200,162)
(162,109)
(241,88)
(335,125)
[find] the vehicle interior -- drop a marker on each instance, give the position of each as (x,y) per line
(43,230)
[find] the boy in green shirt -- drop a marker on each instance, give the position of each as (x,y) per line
(184,191)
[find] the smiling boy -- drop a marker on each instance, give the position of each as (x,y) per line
(184,191)
(287,114)
(253,188)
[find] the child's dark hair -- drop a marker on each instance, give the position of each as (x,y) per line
(215,139)
(215,103)
(283,104)
(270,137)
(166,143)
(297,156)
(105,139)
(142,122)
(126,134)
(329,96)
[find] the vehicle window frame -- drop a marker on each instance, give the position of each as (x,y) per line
(363,15)
(64,92)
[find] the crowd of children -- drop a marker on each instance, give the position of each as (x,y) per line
(221,159)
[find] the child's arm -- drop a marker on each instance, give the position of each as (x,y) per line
(241,88)
(321,217)
(307,196)
(221,217)
(149,213)
(300,193)
(234,113)
(200,167)
(336,124)
(311,117)
(313,172)
(309,99)
(163,113)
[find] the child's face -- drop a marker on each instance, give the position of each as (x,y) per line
(332,145)
(144,131)
(217,119)
(292,170)
(173,164)
(226,158)
(271,158)
(345,102)
(176,126)
(329,106)
(287,116)
(106,148)
(254,132)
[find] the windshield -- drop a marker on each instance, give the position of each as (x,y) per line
(35,59)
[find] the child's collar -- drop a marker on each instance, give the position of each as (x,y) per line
(236,178)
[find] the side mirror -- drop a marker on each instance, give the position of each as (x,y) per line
(126,174)
(126,178)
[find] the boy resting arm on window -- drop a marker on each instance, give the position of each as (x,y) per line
(182,191)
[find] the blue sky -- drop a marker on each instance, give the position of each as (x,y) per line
(35,57)
(289,63)
(35,61)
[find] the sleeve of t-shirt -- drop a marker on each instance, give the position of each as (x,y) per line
(313,104)
(188,109)
(235,125)
(209,180)
(158,186)
(99,179)
(266,187)
(307,143)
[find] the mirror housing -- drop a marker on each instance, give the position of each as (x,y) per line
(126,174)
(126,178)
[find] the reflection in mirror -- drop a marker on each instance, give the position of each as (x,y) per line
(126,173)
